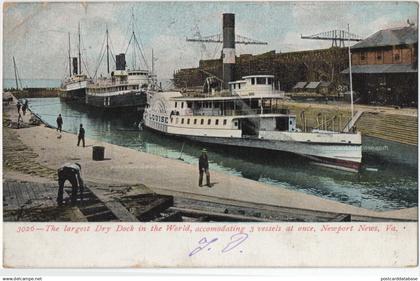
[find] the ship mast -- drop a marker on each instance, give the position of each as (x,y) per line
(69,57)
(134,37)
(14,64)
(153,63)
(107,50)
(80,57)
(350,76)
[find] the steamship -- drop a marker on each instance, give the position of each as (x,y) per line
(125,89)
(248,116)
(73,87)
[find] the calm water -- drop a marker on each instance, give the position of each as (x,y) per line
(392,186)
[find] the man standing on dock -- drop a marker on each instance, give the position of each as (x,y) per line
(81,135)
(59,123)
(203,166)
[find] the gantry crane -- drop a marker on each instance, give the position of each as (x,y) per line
(336,36)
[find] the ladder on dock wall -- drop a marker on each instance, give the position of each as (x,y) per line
(352,121)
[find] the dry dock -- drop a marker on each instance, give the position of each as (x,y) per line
(124,167)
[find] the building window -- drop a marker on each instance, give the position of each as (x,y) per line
(217,121)
(379,56)
(182,105)
(224,122)
(195,121)
(202,121)
(176,104)
(397,56)
(182,120)
(363,56)
(188,121)
(239,86)
(209,122)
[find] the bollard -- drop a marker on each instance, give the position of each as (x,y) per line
(98,153)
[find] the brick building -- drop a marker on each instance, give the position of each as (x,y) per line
(384,67)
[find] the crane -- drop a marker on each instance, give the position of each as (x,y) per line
(337,37)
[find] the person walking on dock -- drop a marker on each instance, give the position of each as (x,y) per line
(81,136)
(24,107)
(18,105)
(59,123)
(203,166)
(70,172)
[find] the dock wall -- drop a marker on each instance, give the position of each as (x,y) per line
(36,93)
(289,68)
(374,122)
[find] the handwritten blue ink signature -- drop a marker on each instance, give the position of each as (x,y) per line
(235,241)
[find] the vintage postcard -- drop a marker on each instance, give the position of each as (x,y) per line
(210,134)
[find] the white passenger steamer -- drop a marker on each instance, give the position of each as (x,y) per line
(248,116)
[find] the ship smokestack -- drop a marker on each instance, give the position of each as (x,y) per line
(120,62)
(75,66)
(228,48)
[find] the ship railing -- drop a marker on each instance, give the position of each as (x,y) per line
(334,123)
(241,112)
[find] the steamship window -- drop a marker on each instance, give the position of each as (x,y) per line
(260,80)
(188,121)
(236,123)
(253,81)
(176,104)
(239,86)
(217,121)
(202,121)
(224,121)
(182,105)
(195,121)
(209,122)
(270,81)
(182,120)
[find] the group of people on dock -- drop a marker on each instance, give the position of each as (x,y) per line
(80,136)
(20,106)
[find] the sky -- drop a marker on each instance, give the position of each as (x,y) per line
(36,33)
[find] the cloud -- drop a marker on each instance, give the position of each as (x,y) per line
(36,33)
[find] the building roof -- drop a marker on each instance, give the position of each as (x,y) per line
(381,68)
(312,85)
(325,84)
(390,37)
(300,85)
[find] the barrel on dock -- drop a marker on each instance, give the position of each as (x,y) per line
(98,153)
